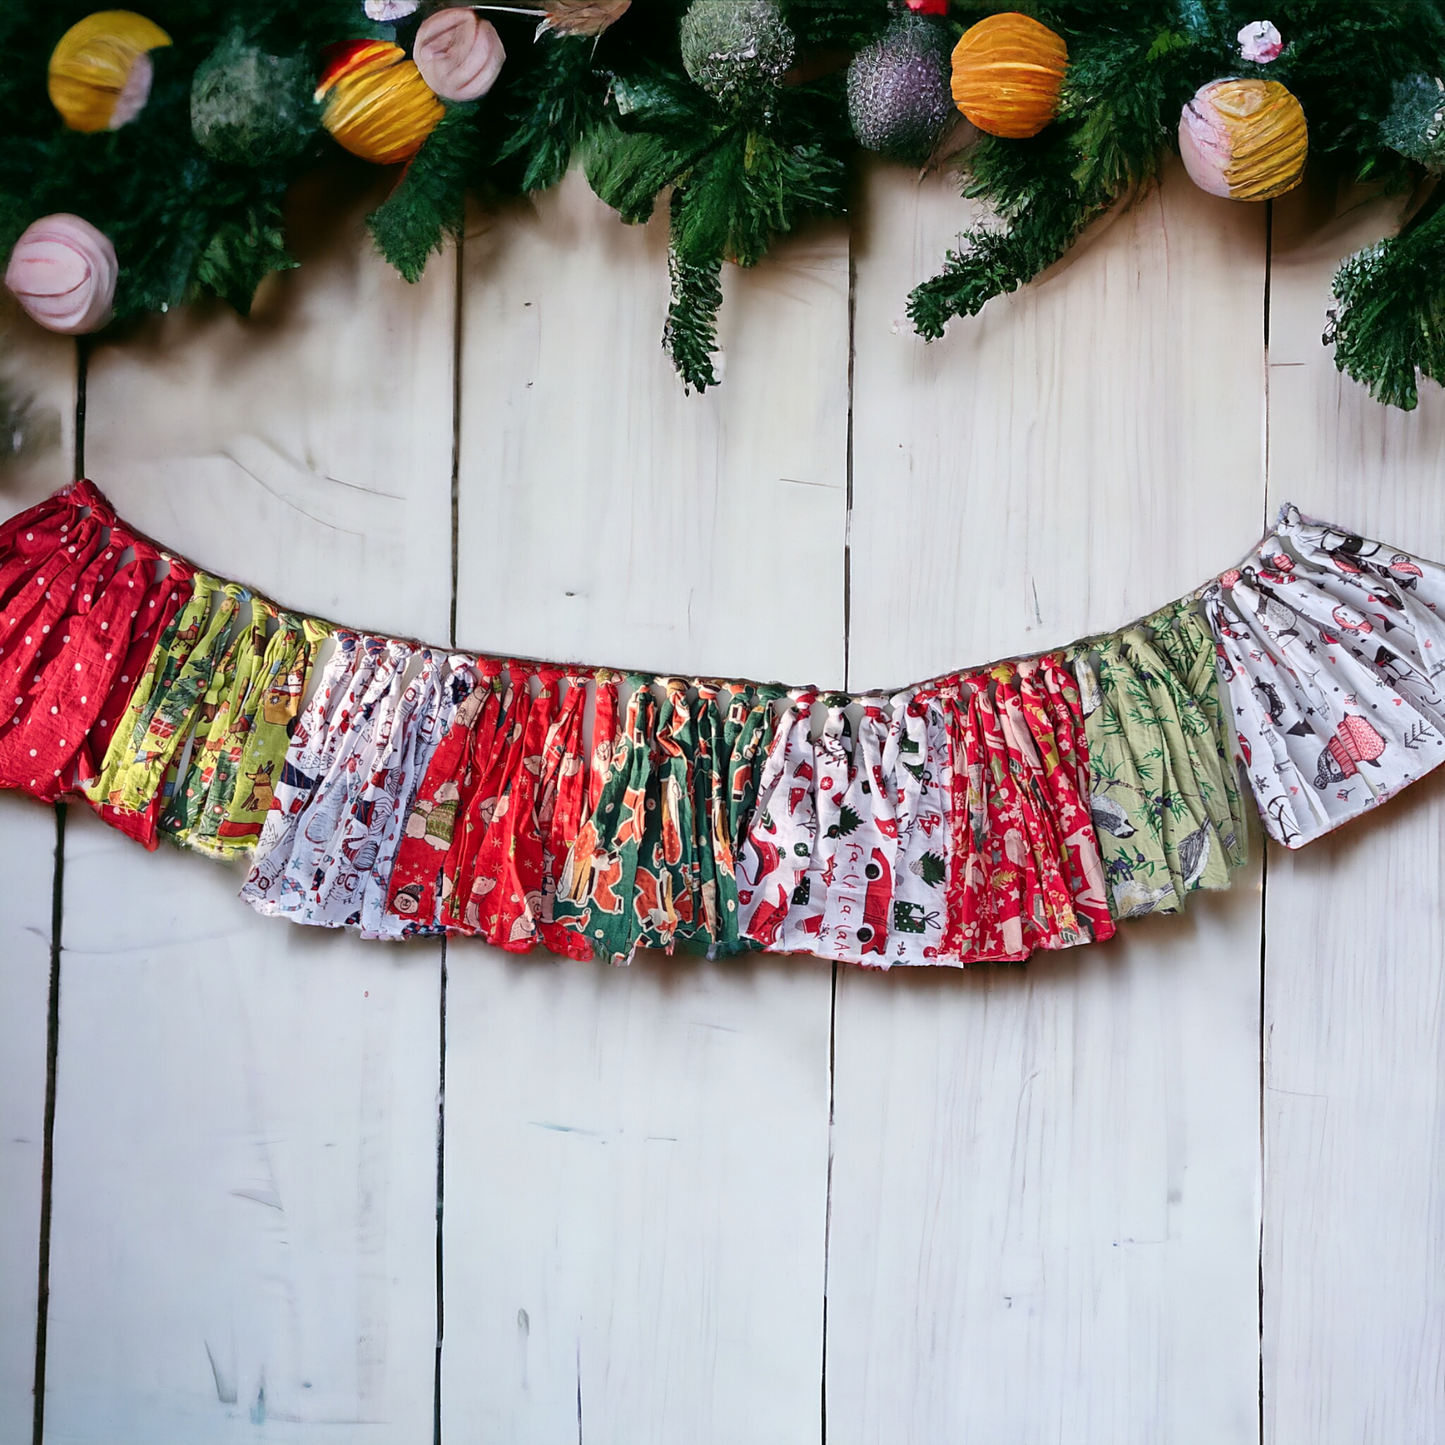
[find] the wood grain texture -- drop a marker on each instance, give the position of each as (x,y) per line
(636,1198)
(245,1160)
(1045,1194)
(27,849)
(307,449)
(606,516)
(245,1164)
(1354,956)
(636,1161)
(1078,454)
(1045,1187)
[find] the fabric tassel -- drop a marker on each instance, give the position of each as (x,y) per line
(667,901)
(1160,790)
(563,810)
(598,884)
(259,733)
(1049,702)
(80,599)
(507,881)
(306,809)
(431,820)
(776,852)
(428,704)
(210,763)
(604,735)
(1334,703)
(717,898)
(917,768)
(864,849)
(469,884)
(142,757)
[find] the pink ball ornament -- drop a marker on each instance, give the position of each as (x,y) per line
(1260,42)
(63,272)
(459,54)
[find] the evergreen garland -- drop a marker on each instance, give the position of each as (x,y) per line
(742,164)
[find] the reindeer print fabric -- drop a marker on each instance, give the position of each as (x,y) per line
(1330,674)
(973,819)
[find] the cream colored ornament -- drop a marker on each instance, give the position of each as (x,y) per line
(1245,139)
(100,70)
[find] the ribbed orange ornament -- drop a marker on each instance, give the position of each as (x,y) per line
(1008,71)
(377,105)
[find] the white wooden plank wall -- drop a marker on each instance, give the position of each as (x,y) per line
(1032,1200)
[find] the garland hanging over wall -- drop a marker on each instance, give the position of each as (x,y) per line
(408,790)
(146,156)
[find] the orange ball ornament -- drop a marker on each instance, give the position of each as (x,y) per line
(1008,71)
(377,105)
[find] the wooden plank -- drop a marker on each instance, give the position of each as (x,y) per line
(1354,1346)
(244,1195)
(1046,1192)
(37,392)
(636,1196)
(637,1161)
(1078,454)
(308,449)
(245,1165)
(27,848)
(608,517)
(1045,1188)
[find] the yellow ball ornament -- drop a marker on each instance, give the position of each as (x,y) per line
(1245,139)
(1008,71)
(100,72)
(377,105)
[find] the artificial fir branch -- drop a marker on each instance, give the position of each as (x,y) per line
(690,334)
(427,205)
(1390,321)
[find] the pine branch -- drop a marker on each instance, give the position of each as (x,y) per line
(427,205)
(690,334)
(1390,321)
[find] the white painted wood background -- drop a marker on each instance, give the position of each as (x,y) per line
(759,1202)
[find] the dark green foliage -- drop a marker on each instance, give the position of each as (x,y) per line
(741,169)
(427,206)
(690,335)
(1390,322)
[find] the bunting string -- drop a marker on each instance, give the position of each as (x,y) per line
(402,790)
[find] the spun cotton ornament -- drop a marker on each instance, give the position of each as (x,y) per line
(898,89)
(100,70)
(1008,72)
(736,49)
(458,54)
(1244,139)
(377,105)
(248,107)
(63,271)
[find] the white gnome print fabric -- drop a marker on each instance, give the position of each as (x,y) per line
(324,725)
(1328,673)
(830,780)
(779,841)
(864,847)
(917,766)
(427,709)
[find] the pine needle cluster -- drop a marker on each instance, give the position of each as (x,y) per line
(738,169)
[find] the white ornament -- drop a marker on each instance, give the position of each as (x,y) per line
(1260,42)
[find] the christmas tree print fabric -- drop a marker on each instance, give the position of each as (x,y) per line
(381,785)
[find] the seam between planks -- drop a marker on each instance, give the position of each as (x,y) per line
(52,1012)
(1264,859)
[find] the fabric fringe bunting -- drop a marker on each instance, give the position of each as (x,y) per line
(970,819)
